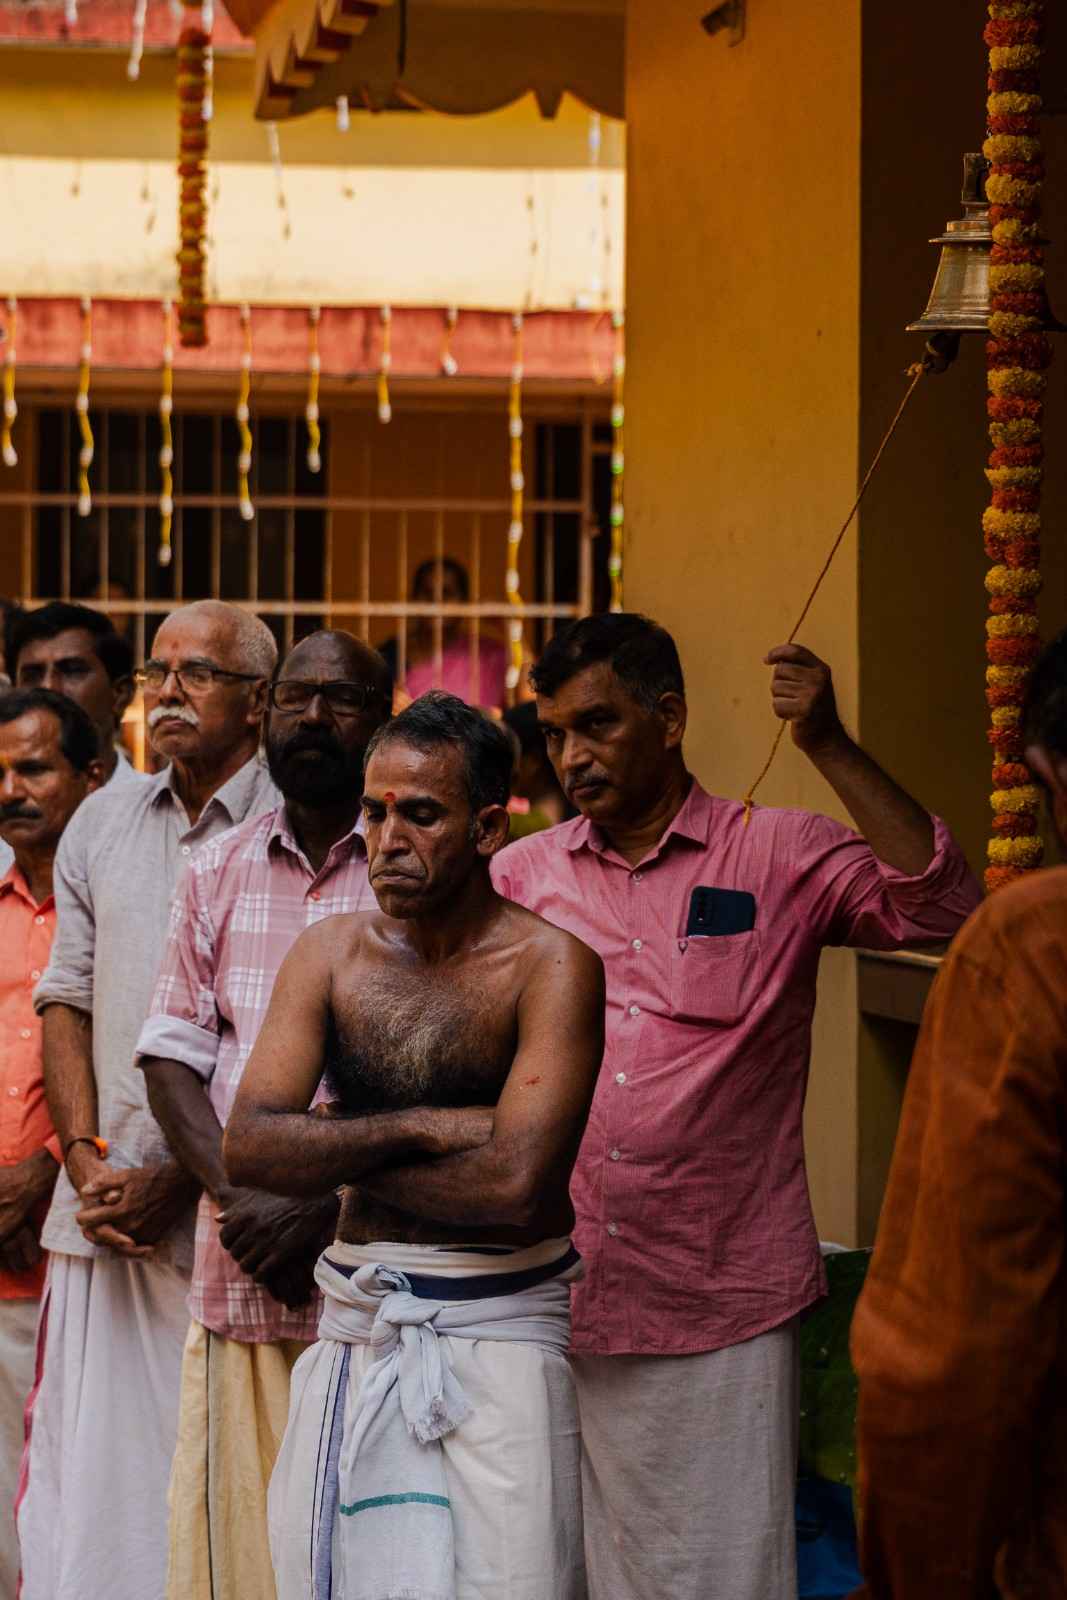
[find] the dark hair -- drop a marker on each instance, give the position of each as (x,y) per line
(1044,718)
(436,718)
(522,720)
(77,737)
(642,655)
(114,653)
(447,564)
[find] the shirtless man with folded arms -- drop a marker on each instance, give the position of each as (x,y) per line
(461,1036)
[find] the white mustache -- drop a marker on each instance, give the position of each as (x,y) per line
(177,713)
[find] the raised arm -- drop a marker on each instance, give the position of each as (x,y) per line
(522,1173)
(272,1139)
(898,829)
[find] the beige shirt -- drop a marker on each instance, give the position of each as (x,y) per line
(118,865)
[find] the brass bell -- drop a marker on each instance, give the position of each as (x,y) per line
(959,299)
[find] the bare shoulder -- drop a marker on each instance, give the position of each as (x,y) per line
(334,941)
(552,952)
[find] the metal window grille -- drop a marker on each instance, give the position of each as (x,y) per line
(286,564)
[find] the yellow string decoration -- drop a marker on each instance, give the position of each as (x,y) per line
(81,406)
(244,458)
(618,462)
(311,410)
(385,363)
(515,527)
(166,449)
(915,372)
(11,410)
(449,364)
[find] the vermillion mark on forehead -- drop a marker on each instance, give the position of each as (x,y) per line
(389,797)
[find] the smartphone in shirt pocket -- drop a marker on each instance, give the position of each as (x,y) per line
(715,967)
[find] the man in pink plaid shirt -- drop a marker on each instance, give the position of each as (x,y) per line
(253,1303)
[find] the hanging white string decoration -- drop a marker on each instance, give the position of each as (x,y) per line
(343,122)
(311,410)
(385,365)
(242,413)
(11,410)
(166,449)
(449,364)
(140,16)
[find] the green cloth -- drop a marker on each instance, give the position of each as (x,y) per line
(828,1387)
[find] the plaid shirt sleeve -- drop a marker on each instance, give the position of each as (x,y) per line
(183,1022)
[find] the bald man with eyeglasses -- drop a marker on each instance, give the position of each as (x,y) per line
(253,1302)
(91,1515)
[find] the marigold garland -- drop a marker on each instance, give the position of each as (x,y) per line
(11,410)
(1017,355)
(311,410)
(166,449)
(81,406)
(618,463)
(242,413)
(515,527)
(194,113)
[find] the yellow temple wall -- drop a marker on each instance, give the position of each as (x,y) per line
(742,403)
(402,209)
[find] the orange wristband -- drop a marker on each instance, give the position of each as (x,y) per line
(100,1145)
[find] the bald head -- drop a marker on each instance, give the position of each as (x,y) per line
(240,639)
(331,693)
(341,655)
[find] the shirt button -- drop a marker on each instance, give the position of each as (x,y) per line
(635,1011)
(620,1077)
(636,944)
(186,849)
(35,974)
(24,1033)
(613,1228)
(13,1092)
(615,1154)
(39,921)
(636,877)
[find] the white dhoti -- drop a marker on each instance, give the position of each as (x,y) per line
(689,1472)
(18,1330)
(432,1450)
(102,1424)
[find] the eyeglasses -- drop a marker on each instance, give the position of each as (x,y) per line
(343,698)
(194,677)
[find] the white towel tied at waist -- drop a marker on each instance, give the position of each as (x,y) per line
(383,1522)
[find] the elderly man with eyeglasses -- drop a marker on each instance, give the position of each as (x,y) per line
(253,1301)
(103,1417)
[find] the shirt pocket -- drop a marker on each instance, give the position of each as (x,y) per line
(715,980)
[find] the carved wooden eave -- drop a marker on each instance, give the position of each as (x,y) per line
(463,58)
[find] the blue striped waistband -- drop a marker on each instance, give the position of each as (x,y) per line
(486,1286)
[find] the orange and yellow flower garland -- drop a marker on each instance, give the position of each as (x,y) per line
(1018,354)
(194,110)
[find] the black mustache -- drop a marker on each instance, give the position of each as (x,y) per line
(326,746)
(18,814)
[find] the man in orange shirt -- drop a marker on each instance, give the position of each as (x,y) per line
(960,1335)
(48,764)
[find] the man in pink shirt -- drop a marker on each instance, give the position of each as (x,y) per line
(246,897)
(693,1213)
